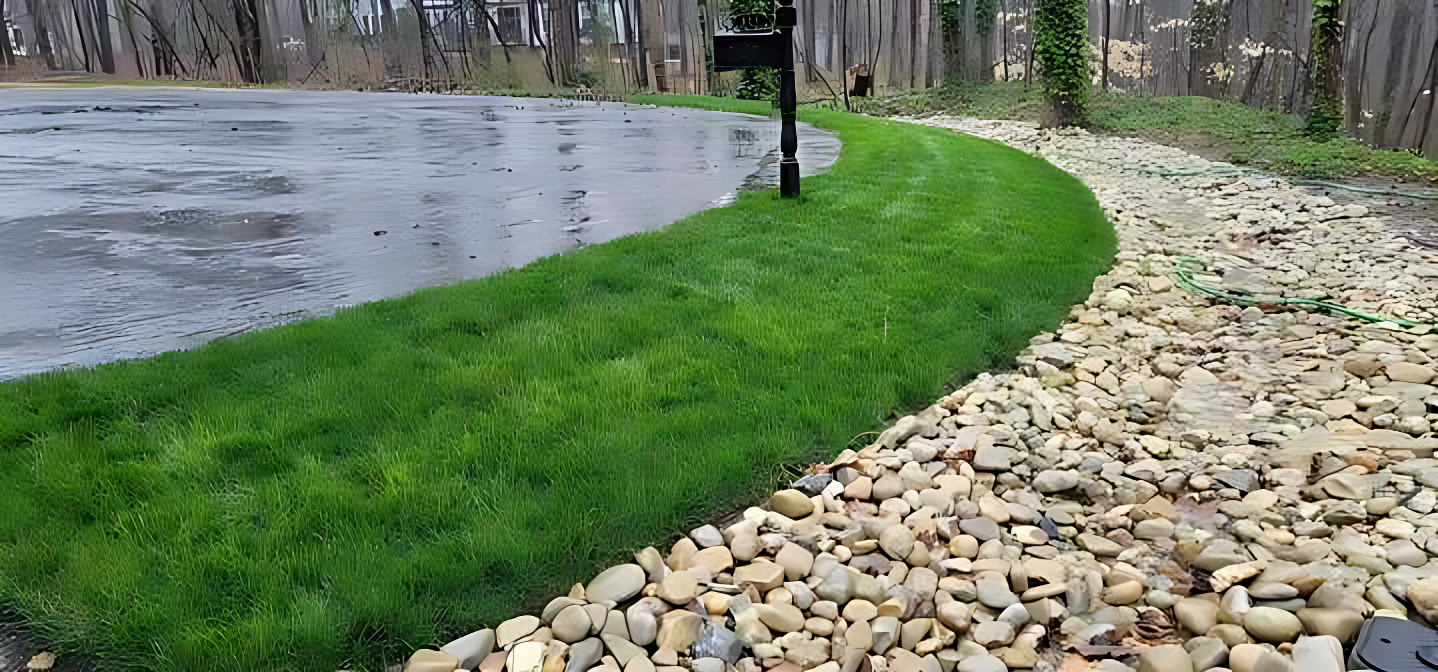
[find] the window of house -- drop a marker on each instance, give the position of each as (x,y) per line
(511,26)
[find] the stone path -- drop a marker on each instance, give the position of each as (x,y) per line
(1162,483)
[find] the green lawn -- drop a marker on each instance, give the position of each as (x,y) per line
(337,492)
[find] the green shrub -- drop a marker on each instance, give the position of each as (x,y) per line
(758,84)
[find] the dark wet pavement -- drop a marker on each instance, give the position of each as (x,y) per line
(138,220)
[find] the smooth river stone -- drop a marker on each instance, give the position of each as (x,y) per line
(616,584)
(1272,625)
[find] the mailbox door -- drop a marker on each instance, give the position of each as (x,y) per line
(737,51)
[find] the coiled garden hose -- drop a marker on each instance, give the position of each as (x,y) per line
(1183,276)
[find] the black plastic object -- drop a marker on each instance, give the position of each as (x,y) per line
(1395,645)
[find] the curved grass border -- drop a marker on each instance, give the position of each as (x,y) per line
(336,493)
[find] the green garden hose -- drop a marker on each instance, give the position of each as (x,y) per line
(1183,276)
(1364,190)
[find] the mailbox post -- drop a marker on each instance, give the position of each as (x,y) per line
(773,48)
(785,19)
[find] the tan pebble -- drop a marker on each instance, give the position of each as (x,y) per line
(1231,634)
(897,541)
(791,503)
(571,624)
(665,657)
(714,560)
(865,547)
(860,610)
(514,628)
(1244,657)
(1368,461)
(861,488)
(893,607)
(493,662)
(525,657)
(556,605)
(1124,593)
(423,660)
(821,627)
(914,631)
(681,555)
(964,546)
(1030,535)
(598,616)
(615,623)
(679,629)
(715,603)
(860,635)
(795,559)
(765,576)
(955,616)
(639,664)
(1272,625)
(1408,372)
(919,557)
(556,648)
(1043,591)
(616,584)
(1227,576)
(780,617)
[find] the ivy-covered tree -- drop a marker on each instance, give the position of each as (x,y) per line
(1060,47)
(1325,117)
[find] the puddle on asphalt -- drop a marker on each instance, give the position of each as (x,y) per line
(134,221)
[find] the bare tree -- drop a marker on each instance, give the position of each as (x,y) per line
(7,53)
(564,40)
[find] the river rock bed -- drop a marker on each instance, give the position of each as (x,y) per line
(1163,484)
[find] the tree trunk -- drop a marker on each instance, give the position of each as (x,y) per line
(7,53)
(1107,9)
(1004,26)
(564,40)
(1325,117)
(247,22)
(103,44)
(80,31)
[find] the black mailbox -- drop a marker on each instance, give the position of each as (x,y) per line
(736,51)
(770,49)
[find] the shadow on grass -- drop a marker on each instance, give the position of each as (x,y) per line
(335,493)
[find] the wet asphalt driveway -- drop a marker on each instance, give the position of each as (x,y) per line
(138,220)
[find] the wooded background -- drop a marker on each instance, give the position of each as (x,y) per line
(1256,52)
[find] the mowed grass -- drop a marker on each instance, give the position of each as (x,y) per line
(335,493)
